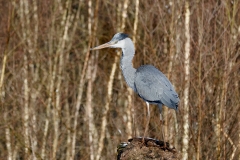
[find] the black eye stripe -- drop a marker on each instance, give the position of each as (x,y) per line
(118,37)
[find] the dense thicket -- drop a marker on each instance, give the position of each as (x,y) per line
(60,101)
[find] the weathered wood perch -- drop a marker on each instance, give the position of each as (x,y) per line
(151,149)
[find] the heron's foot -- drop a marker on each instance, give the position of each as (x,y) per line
(146,141)
(164,146)
(143,140)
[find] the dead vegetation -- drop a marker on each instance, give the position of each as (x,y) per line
(60,101)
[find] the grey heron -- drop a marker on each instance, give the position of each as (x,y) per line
(147,81)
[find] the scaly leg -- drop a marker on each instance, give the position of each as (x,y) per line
(162,128)
(148,120)
(161,123)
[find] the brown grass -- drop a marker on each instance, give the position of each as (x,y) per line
(45,80)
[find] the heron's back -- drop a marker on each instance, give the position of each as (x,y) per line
(154,87)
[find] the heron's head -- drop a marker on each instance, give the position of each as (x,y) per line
(118,41)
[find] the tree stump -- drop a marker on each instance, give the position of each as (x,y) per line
(150,149)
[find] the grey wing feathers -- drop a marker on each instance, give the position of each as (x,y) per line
(154,87)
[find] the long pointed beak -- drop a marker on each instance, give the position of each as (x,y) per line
(105,45)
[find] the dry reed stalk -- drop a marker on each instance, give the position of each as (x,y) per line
(2,90)
(130,108)
(82,81)
(185,139)
(110,82)
(200,41)
(24,13)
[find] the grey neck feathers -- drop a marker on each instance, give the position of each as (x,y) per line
(126,64)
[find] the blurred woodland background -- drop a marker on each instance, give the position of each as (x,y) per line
(61,101)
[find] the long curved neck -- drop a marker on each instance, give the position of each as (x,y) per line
(128,71)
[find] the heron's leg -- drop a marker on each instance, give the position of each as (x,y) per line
(162,128)
(161,123)
(148,120)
